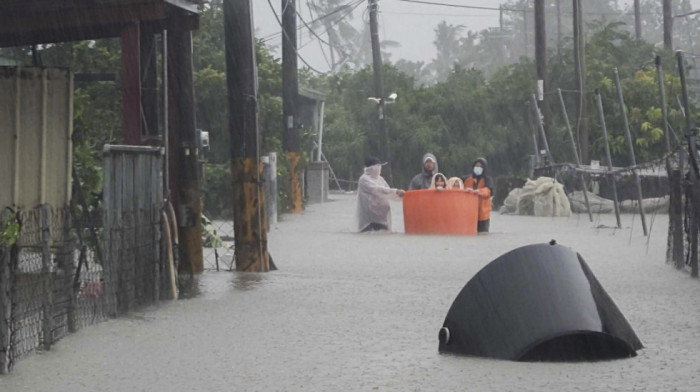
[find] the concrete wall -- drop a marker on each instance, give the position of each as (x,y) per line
(36,124)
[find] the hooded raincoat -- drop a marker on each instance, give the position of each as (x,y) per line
(484,184)
(434,180)
(373,195)
(422,180)
(455,183)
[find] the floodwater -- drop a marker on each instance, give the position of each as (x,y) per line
(361,312)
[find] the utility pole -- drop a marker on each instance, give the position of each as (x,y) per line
(559,28)
(379,84)
(580,76)
(290,96)
(184,173)
(500,18)
(541,60)
(525,30)
(241,79)
(668,25)
(637,21)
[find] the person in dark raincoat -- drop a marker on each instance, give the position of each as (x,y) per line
(423,179)
(478,181)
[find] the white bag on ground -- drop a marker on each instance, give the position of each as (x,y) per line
(510,204)
(526,202)
(550,198)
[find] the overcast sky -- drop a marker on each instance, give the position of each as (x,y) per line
(410,24)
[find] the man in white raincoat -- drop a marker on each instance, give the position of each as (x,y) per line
(373,195)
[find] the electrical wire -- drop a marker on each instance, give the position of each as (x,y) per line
(323,52)
(286,36)
(341,8)
(463,6)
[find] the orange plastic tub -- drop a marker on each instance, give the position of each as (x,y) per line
(429,211)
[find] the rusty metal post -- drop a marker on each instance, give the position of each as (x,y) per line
(246,168)
(131,83)
(599,100)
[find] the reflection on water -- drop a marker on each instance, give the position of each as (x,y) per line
(246,281)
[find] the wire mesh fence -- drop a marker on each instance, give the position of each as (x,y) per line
(52,283)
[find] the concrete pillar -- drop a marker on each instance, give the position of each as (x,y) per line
(317,179)
(270,178)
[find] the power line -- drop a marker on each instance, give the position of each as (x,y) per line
(341,8)
(518,9)
(323,52)
(287,37)
(463,6)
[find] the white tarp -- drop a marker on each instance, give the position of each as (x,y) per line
(543,197)
(510,204)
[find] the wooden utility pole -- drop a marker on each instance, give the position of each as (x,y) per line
(241,78)
(184,169)
(540,126)
(559,28)
(149,85)
(637,21)
(379,84)
(131,84)
(290,97)
(580,76)
(668,25)
(541,61)
(525,30)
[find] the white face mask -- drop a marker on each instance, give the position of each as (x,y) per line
(478,170)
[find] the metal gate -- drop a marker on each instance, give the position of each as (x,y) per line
(132,208)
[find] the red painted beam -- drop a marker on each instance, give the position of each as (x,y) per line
(131,84)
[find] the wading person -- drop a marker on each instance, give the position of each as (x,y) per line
(439,182)
(423,179)
(373,195)
(455,183)
(482,184)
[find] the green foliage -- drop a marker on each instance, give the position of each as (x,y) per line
(217,191)
(9,230)
(210,239)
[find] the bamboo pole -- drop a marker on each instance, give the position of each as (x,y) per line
(675,213)
(575,151)
(690,134)
(599,101)
(630,145)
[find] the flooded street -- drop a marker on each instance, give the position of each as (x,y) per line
(351,312)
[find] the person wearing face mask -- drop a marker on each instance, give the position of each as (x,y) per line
(423,179)
(373,195)
(482,185)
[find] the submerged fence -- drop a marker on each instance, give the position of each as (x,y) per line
(68,269)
